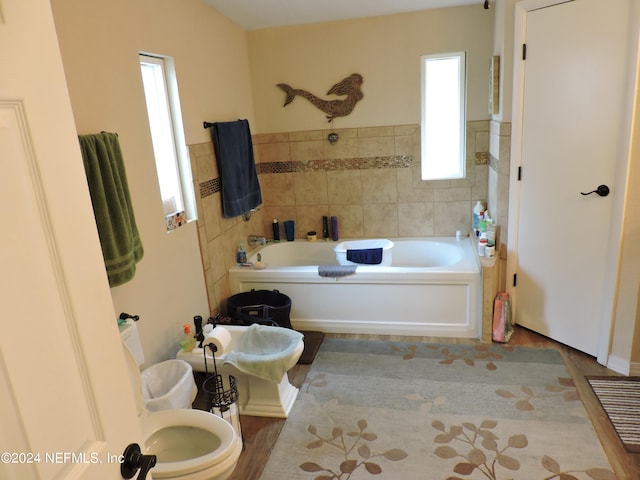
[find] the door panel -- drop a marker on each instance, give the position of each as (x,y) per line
(66,407)
(574,84)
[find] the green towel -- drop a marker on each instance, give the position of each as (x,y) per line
(104,167)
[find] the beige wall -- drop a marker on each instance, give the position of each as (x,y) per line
(626,345)
(225,73)
(218,65)
(384,50)
(370,178)
(100,42)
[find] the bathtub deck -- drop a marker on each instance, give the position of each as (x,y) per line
(261,434)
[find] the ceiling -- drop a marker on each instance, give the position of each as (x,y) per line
(256,14)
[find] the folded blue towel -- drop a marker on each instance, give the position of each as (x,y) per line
(335,271)
(264,351)
(368,256)
(238,176)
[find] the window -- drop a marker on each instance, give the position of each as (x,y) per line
(443,116)
(171,156)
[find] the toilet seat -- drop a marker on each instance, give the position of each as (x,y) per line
(217,464)
(223,456)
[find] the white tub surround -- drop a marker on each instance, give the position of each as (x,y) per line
(433,287)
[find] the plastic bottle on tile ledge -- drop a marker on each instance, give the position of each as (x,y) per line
(334,229)
(276,230)
(241,256)
(482,246)
(325,227)
(478,210)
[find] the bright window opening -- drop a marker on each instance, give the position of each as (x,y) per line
(443,116)
(167,134)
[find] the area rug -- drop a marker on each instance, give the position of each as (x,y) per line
(620,399)
(390,410)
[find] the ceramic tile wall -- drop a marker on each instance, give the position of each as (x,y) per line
(369,179)
(219,237)
(498,190)
(499,161)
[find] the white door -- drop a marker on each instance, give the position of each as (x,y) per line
(66,405)
(572,139)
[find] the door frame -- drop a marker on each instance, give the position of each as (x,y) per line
(607,314)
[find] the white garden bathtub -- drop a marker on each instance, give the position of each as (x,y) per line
(432,288)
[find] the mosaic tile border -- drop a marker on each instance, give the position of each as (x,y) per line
(397,161)
(210,187)
(214,185)
(483,158)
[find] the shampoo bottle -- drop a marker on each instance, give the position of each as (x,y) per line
(276,230)
(325,227)
(334,228)
(241,256)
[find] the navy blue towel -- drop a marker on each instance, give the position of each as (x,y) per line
(368,256)
(234,155)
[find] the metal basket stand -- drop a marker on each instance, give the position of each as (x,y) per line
(220,401)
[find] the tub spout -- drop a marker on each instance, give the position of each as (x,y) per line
(253,240)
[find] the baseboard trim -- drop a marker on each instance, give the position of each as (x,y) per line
(620,365)
(390,328)
(634,371)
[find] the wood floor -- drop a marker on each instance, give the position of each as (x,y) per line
(260,434)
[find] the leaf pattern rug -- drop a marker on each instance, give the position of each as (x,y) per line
(394,410)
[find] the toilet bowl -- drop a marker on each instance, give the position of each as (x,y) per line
(189,444)
(260,397)
(165,385)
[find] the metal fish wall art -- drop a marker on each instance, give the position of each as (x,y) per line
(350,87)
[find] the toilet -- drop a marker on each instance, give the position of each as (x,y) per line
(189,444)
(258,396)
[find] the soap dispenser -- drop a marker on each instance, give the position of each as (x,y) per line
(189,342)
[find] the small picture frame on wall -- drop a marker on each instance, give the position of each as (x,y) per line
(494,85)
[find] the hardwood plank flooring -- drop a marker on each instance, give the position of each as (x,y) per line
(260,434)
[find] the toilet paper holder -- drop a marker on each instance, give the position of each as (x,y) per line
(218,398)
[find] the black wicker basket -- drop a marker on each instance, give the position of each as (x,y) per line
(267,307)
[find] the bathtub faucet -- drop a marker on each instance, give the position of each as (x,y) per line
(256,240)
